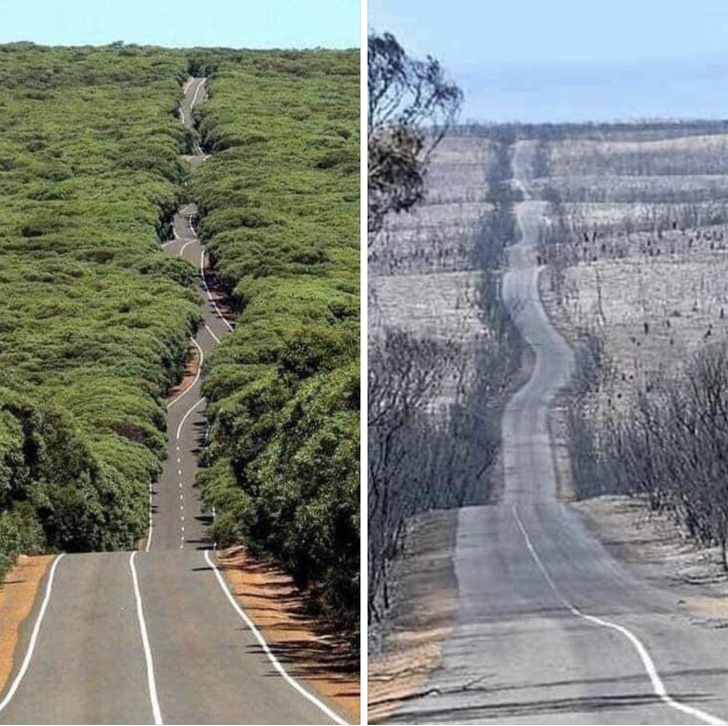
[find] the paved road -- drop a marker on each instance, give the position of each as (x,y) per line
(550,628)
(153,638)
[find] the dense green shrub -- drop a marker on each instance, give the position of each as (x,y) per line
(280,205)
(94,321)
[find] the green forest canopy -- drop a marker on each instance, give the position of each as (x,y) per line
(280,199)
(94,321)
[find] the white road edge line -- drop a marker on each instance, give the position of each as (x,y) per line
(266,649)
(184,247)
(209,294)
(151,521)
(210,331)
(145,642)
(657,684)
(197,90)
(33,638)
(197,375)
(184,418)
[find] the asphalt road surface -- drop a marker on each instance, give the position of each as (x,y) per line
(152,637)
(550,628)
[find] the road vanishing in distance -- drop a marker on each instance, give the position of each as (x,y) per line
(550,628)
(152,637)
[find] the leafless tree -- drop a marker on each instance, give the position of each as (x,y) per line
(670,448)
(411,106)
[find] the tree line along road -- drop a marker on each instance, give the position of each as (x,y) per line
(155,636)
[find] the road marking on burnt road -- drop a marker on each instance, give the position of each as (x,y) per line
(151,681)
(266,648)
(33,637)
(649,665)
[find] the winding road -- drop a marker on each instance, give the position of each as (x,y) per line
(550,628)
(155,636)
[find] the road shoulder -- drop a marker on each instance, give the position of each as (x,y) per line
(18,595)
(655,548)
(189,376)
(424,604)
(309,652)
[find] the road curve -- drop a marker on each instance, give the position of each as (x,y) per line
(151,637)
(550,628)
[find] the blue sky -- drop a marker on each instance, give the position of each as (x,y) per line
(183,23)
(572,59)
